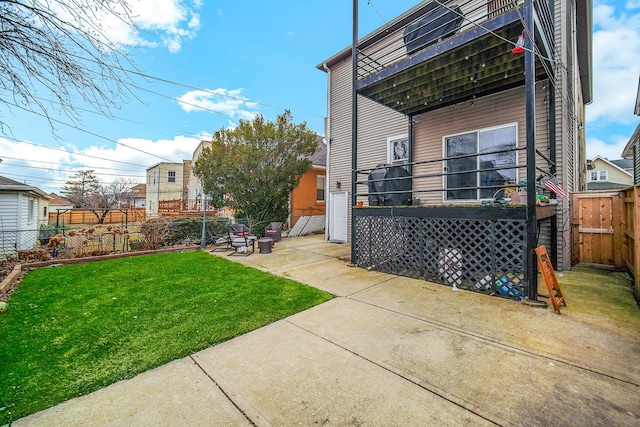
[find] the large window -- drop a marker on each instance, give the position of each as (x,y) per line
(320,188)
(171,176)
(398,149)
(480,162)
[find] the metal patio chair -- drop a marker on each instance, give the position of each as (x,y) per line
(241,240)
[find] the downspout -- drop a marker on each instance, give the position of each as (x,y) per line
(354,125)
(327,132)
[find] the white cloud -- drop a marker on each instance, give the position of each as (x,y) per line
(48,169)
(616,49)
(223,101)
(610,150)
(168,21)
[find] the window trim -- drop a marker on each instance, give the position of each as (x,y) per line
(31,210)
(477,132)
(390,141)
(324,189)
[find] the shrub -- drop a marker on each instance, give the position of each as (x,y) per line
(189,231)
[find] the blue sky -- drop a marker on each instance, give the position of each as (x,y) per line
(260,57)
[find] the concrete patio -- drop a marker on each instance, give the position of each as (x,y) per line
(388,351)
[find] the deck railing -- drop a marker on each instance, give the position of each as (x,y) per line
(440,20)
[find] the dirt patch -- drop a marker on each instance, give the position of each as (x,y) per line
(6,267)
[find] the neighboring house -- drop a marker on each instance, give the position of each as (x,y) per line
(308,198)
(195,187)
(138,196)
(445,95)
(632,149)
(603,174)
(165,181)
(58,202)
(23,209)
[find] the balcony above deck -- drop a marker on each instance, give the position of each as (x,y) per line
(472,60)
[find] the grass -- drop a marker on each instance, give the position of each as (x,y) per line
(74,329)
(600,297)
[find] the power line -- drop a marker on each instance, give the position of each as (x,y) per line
(73,126)
(73,170)
(187,86)
(109,116)
(65,164)
(369,2)
(64,150)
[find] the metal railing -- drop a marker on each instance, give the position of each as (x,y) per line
(440,20)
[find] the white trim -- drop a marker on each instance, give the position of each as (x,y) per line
(390,140)
(477,132)
(324,181)
(598,157)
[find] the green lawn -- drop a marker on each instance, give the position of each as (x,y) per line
(74,329)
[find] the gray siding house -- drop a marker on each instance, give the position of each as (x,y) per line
(475,100)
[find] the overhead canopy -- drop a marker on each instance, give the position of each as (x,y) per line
(469,64)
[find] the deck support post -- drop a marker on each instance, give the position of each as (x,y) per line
(354,127)
(530,112)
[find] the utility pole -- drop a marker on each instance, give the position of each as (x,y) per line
(203,238)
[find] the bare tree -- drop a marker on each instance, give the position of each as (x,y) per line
(61,46)
(85,191)
(107,198)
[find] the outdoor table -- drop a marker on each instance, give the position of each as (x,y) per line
(265,245)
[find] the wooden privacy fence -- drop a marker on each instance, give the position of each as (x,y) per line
(603,229)
(86,217)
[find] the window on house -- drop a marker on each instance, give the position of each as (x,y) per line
(599,175)
(44,213)
(32,212)
(320,188)
(171,176)
(398,149)
(478,164)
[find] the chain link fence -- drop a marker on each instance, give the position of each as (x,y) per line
(73,242)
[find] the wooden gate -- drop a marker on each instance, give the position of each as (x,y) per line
(596,228)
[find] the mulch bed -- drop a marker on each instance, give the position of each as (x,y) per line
(6,267)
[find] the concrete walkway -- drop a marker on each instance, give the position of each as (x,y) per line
(387,351)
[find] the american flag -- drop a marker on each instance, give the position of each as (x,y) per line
(553,186)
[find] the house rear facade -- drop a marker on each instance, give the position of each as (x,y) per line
(165,181)
(454,106)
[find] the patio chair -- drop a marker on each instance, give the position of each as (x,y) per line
(221,243)
(274,231)
(240,239)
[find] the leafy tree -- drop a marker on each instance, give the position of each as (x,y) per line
(85,191)
(63,47)
(255,166)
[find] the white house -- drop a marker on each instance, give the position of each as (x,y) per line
(23,209)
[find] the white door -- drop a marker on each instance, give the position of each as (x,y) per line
(338,216)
